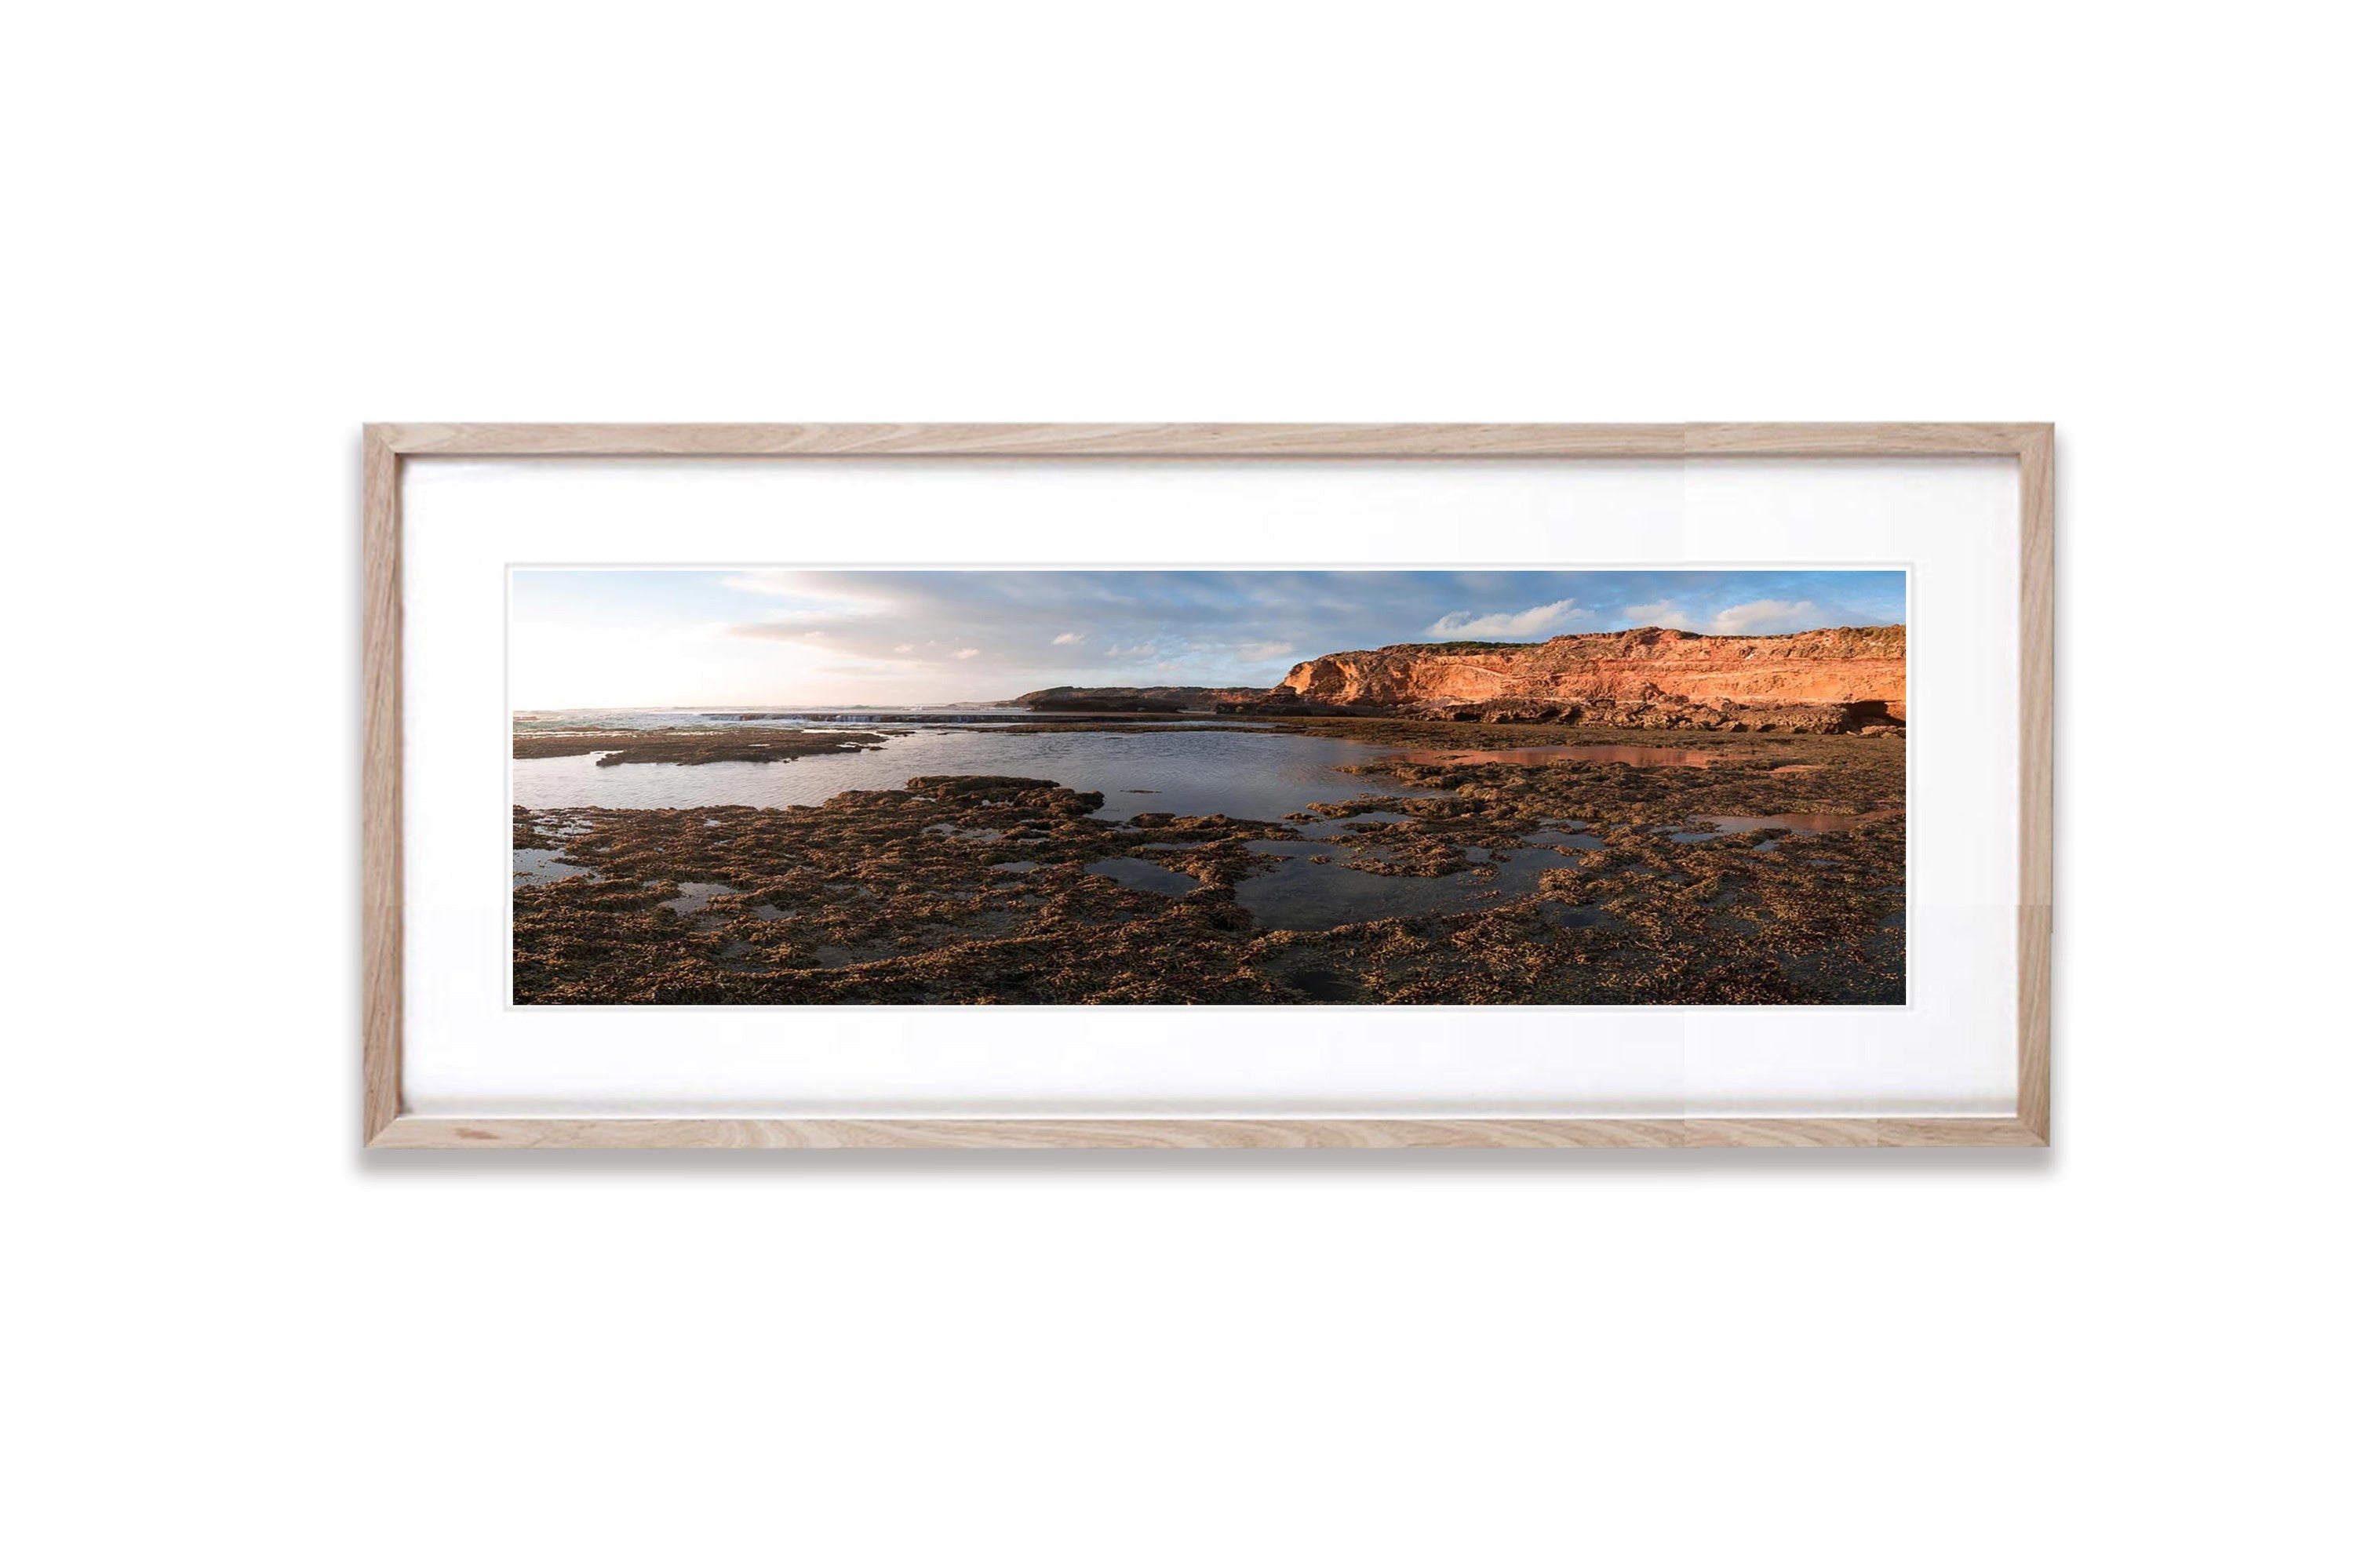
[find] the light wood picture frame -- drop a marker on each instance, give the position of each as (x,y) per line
(385,1124)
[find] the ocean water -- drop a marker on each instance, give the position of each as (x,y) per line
(1196,770)
(866,717)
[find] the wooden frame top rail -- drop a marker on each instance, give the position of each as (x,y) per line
(1623,441)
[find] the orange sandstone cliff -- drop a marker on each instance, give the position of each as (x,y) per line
(1843,677)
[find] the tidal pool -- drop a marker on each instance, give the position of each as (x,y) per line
(695,897)
(1342,827)
(532,867)
(1133,873)
(1565,833)
(1300,895)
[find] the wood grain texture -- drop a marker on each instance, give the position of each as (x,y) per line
(2037,756)
(1663,441)
(498,1133)
(380,863)
(1857,440)
(1624,441)
(386,446)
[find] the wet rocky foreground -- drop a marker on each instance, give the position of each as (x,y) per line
(1752,870)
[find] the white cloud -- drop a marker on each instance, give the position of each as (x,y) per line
(767,582)
(1763,617)
(1541,621)
(1665,613)
(810,595)
(1754,618)
(772,631)
(1265,652)
(903,647)
(966,653)
(820,588)
(1070,639)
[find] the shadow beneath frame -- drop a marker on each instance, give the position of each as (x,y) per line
(1197,1166)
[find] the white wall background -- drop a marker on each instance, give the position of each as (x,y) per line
(240,230)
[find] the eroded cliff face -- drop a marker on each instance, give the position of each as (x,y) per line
(1840,677)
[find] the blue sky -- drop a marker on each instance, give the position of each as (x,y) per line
(588,638)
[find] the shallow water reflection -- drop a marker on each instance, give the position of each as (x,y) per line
(1254,775)
(694,897)
(1300,895)
(532,867)
(1342,827)
(1144,875)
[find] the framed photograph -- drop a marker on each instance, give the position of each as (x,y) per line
(1054,786)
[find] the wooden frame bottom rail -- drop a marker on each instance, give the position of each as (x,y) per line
(1698,1133)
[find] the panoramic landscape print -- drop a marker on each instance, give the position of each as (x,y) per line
(779,787)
